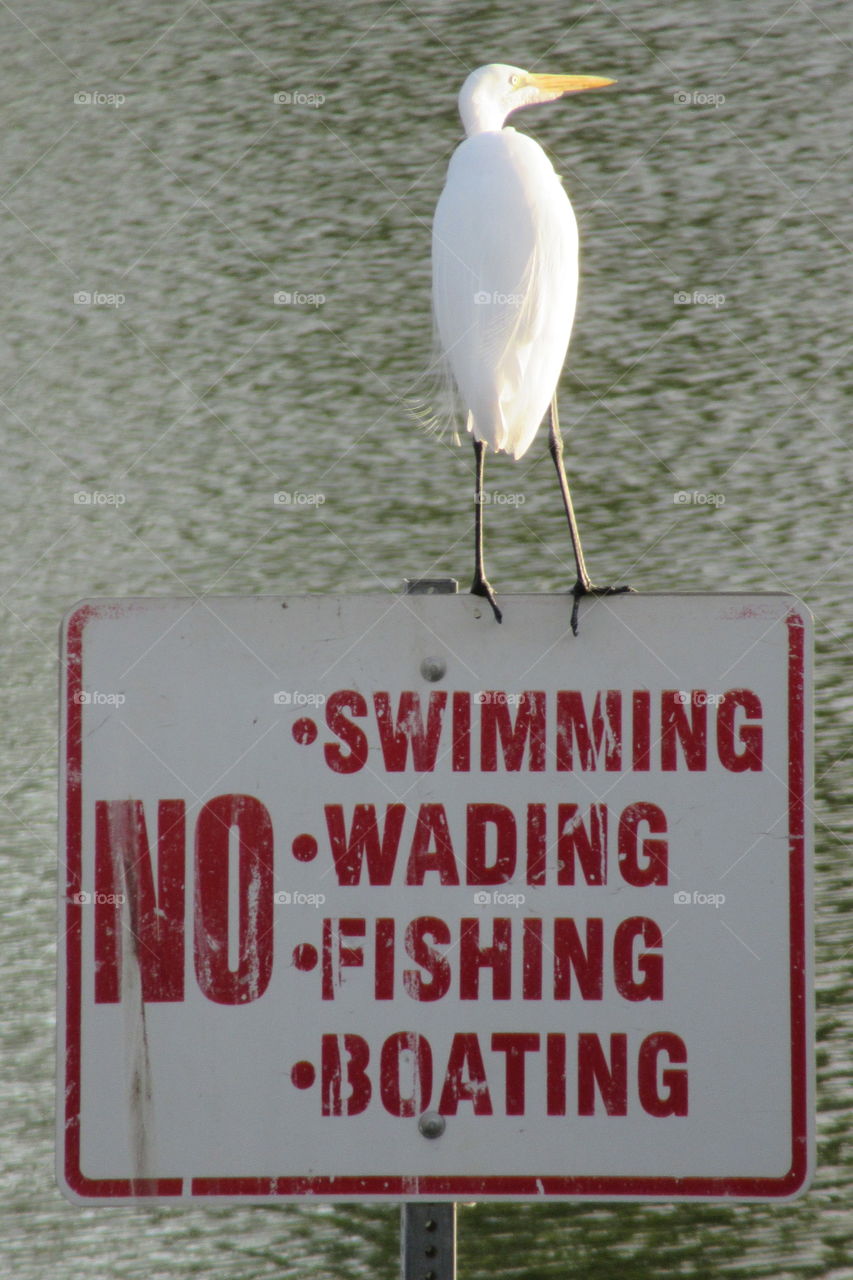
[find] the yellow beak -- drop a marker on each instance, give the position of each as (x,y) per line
(568,84)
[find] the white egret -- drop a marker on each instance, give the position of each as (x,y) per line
(505,279)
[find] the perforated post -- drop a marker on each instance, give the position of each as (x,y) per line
(428,1241)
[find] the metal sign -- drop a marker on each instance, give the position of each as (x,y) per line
(370,897)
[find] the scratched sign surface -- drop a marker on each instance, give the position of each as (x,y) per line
(371,897)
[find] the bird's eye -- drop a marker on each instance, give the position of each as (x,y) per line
(514,81)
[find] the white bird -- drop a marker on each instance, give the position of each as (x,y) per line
(505,280)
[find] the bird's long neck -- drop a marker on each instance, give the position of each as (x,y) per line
(481,115)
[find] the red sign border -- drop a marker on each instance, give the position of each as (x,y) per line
(399,1187)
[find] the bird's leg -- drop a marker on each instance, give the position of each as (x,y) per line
(555,445)
(480,586)
(583,586)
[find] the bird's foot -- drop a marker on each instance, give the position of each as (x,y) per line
(587,588)
(482,587)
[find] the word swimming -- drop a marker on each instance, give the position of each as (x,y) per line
(495,729)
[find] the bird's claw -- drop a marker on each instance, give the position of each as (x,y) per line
(588,588)
(481,587)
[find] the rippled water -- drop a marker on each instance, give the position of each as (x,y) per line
(715,171)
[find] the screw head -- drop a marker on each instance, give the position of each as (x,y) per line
(433,668)
(432,1125)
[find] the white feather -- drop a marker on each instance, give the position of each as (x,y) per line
(505,274)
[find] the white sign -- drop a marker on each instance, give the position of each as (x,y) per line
(371,897)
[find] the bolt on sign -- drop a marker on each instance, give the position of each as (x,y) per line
(370,897)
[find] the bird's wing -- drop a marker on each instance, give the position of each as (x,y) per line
(504,283)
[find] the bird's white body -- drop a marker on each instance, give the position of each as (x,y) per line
(505,282)
(505,261)
(505,279)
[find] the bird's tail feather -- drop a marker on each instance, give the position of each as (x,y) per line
(434,402)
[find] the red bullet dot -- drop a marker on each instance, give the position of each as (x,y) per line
(305,957)
(303,1074)
(304,848)
(304,731)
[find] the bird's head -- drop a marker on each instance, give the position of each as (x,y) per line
(490,93)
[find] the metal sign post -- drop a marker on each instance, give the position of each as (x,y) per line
(428,1234)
